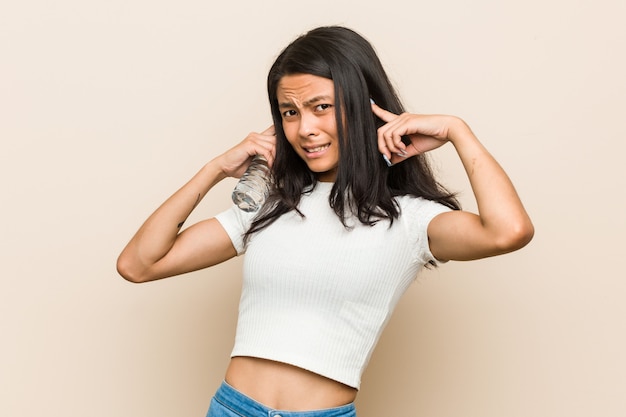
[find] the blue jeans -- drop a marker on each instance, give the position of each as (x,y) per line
(228,402)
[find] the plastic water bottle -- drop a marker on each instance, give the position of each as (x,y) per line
(253,186)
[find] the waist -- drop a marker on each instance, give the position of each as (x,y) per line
(281,386)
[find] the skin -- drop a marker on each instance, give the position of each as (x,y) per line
(159,250)
(501,225)
(307,105)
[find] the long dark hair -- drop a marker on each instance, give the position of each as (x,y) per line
(365,186)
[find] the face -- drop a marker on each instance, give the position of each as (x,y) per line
(307,105)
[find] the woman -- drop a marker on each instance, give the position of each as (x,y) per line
(354,213)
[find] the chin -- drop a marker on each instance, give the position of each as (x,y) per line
(321,169)
(326,175)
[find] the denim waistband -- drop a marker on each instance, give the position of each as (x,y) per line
(245,406)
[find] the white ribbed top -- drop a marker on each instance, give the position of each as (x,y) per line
(316,295)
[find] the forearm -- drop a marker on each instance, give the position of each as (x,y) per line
(500,209)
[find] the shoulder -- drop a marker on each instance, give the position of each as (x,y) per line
(416,214)
(411,206)
(236,223)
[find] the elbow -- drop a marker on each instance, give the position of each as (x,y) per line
(519,235)
(128,271)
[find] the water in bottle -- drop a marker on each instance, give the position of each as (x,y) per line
(253,186)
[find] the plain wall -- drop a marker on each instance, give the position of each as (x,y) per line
(107,107)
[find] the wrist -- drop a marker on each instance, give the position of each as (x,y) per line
(459,131)
(213,170)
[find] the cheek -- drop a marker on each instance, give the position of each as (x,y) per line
(290,134)
(290,143)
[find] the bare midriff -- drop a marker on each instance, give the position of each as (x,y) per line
(285,387)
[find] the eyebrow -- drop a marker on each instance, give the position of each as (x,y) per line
(307,103)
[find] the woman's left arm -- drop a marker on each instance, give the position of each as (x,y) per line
(501,225)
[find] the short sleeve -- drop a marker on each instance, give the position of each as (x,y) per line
(416,216)
(236,223)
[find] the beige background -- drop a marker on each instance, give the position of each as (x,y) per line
(106,107)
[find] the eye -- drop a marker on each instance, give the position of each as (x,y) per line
(322,107)
(288,113)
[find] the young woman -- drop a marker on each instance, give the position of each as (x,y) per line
(354,214)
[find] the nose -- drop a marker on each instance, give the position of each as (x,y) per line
(308,125)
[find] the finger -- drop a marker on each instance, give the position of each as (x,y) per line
(270,131)
(390,134)
(384,115)
(264,148)
(267,142)
(410,151)
(390,137)
(385,145)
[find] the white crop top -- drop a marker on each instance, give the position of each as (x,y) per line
(317,295)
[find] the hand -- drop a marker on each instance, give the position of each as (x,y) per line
(235,161)
(425,132)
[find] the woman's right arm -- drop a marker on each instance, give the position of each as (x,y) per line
(159,249)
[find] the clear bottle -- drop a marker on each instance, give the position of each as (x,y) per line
(253,186)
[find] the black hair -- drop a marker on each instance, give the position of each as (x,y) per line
(365,186)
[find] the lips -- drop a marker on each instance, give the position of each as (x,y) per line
(317,148)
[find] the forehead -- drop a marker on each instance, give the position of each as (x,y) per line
(301,88)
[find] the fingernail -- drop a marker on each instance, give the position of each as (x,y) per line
(387,160)
(403,153)
(372,101)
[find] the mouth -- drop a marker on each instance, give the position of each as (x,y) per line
(317,149)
